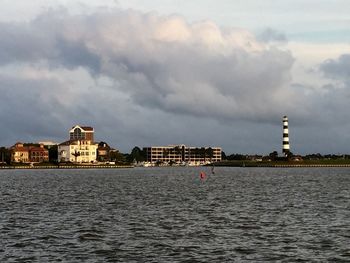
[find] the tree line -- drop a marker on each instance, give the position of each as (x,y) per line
(139,155)
(273,156)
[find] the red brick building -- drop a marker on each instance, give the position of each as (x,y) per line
(38,154)
(81,133)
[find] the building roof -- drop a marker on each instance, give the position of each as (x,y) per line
(19,149)
(69,142)
(85,128)
(186,147)
(75,142)
(37,149)
(27,147)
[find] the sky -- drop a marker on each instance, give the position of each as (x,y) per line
(201,73)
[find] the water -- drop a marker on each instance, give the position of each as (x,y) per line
(170,215)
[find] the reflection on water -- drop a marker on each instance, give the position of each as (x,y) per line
(171,215)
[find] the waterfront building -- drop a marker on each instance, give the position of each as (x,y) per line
(285,142)
(19,153)
(179,154)
(78,151)
(38,154)
(104,152)
(81,133)
(80,148)
(25,153)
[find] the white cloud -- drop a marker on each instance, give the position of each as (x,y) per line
(162,62)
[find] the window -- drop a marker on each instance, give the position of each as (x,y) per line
(77,134)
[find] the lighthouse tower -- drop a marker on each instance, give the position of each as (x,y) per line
(285,148)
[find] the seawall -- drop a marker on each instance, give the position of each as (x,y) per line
(68,167)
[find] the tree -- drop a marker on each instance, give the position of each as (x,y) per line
(165,153)
(5,155)
(210,153)
(273,156)
(289,155)
(137,155)
(223,155)
(53,153)
(202,153)
(179,151)
(117,156)
(76,154)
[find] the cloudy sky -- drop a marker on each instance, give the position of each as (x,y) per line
(158,72)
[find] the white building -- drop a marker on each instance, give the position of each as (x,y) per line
(182,154)
(81,147)
(77,151)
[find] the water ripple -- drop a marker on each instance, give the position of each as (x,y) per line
(170,215)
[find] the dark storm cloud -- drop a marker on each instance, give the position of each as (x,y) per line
(336,96)
(21,43)
(27,109)
(72,55)
(337,68)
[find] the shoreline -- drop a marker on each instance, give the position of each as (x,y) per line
(249,165)
(66,167)
(300,165)
(284,165)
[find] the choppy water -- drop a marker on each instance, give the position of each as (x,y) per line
(170,215)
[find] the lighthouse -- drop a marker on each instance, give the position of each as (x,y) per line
(285,148)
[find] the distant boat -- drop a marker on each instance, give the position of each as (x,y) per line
(147,164)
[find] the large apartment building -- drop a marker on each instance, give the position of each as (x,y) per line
(77,151)
(80,148)
(182,154)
